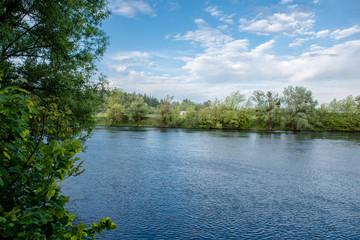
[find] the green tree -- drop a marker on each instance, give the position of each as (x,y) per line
(55,45)
(137,109)
(210,117)
(299,112)
(190,119)
(342,115)
(231,113)
(163,118)
(114,107)
(233,102)
(267,108)
(31,166)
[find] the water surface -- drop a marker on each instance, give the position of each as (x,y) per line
(184,184)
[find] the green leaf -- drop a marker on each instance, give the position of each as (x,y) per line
(2,220)
(50,193)
(81,225)
(77,146)
(6,155)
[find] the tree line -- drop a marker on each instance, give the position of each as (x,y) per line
(294,109)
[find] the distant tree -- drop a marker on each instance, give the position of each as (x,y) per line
(115,107)
(190,119)
(150,101)
(137,109)
(233,101)
(225,114)
(342,115)
(207,103)
(299,110)
(267,107)
(164,112)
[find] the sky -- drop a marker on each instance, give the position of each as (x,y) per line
(203,49)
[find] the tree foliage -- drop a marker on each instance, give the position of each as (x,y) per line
(32,165)
(342,115)
(164,112)
(55,45)
(294,110)
(299,112)
(267,108)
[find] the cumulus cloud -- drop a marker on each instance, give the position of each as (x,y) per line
(292,23)
(205,35)
(259,64)
(340,34)
(215,12)
(131,8)
(237,66)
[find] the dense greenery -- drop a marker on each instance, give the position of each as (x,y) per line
(294,110)
(55,45)
(32,165)
(48,97)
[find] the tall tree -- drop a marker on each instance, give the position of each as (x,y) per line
(115,107)
(137,109)
(164,112)
(267,107)
(55,46)
(299,111)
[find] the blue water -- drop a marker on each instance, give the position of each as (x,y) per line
(183,184)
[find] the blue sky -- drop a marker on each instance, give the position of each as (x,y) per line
(203,49)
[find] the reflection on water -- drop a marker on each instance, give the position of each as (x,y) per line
(175,183)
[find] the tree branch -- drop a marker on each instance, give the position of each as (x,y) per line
(28,160)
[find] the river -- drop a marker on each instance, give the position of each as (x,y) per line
(187,184)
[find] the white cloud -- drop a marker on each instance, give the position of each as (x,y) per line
(293,23)
(315,47)
(215,12)
(235,64)
(286,1)
(340,34)
(133,58)
(131,8)
(205,35)
(323,33)
(328,72)
(299,41)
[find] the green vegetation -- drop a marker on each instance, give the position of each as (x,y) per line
(48,99)
(294,110)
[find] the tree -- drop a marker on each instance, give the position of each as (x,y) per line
(31,166)
(267,107)
(342,115)
(55,45)
(299,111)
(233,101)
(137,109)
(114,108)
(164,112)
(190,119)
